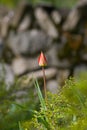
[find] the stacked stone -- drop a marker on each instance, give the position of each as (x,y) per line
(60,33)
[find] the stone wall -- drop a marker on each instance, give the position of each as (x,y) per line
(60,33)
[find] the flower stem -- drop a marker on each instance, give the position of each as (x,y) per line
(44,78)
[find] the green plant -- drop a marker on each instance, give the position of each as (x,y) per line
(57,3)
(15,108)
(42,61)
(65,110)
(9,3)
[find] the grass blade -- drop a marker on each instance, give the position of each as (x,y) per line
(40,95)
(20,127)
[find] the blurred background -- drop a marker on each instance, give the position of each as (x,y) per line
(56,27)
(57,3)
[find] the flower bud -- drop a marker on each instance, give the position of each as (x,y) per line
(42,60)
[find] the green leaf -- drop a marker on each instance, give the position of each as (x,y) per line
(20,127)
(43,119)
(22,107)
(40,95)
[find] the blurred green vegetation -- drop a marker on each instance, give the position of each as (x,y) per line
(62,111)
(57,3)
(11,100)
(9,3)
(66,110)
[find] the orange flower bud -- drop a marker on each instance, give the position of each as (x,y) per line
(42,60)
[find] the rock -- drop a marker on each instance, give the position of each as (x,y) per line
(1,47)
(53,86)
(20,94)
(45,22)
(64,64)
(29,43)
(20,11)
(56,17)
(50,73)
(32,63)
(47,6)
(85,36)
(64,12)
(82,3)
(51,56)
(84,56)
(3,11)
(7,75)
(19,66)
(5,24)
(74,41)
(80,70)
(72,20)
(62,76)
(76,14)
(53,59)
(25,24)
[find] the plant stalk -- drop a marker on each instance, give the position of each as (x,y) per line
(44,79)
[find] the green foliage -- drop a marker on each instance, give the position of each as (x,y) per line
(42,102)
(9,3)
(66,110)
(58,3)
(15,108)
(20,127)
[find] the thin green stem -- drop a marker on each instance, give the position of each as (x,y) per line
(44,78)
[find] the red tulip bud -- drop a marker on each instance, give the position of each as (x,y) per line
(42,60)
